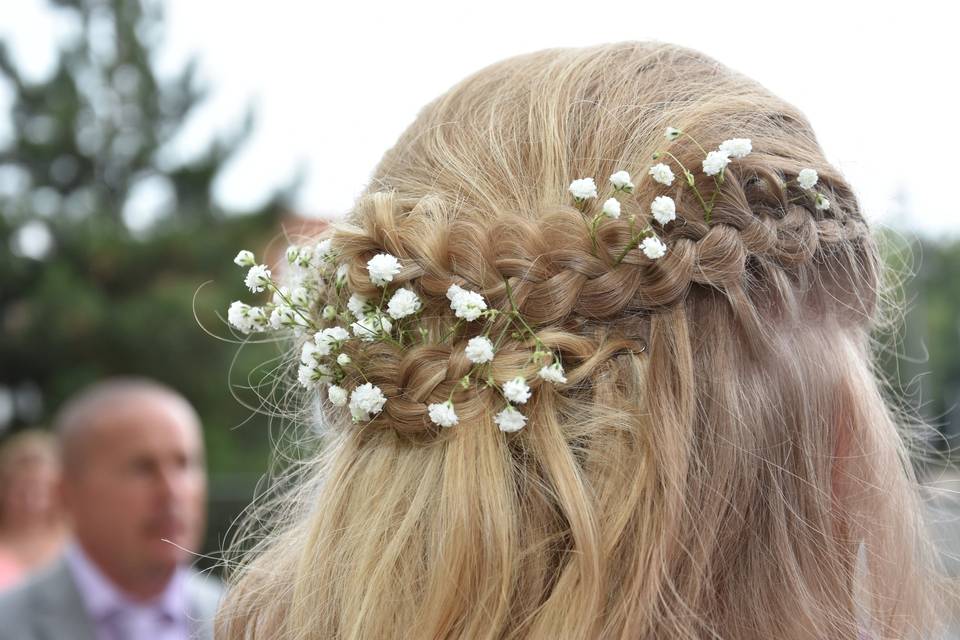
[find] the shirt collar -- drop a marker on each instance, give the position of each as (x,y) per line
(103,597)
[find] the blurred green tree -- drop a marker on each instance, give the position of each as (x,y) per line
(111,236)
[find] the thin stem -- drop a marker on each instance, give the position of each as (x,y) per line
(272,285)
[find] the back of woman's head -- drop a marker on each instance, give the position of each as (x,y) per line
(721,462)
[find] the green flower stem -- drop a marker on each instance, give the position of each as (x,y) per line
(693,185)
(296,308)
(634,243)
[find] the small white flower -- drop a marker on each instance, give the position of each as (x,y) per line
(312,374)
(553,373)
(662,173)
(337,395)
(302,257)
(329,312)
(258,319)
(664,209)
(357,305)
(442,413)
(822,202)
(330,338)
(343,360)
(239,315)
(366,399)
(621,181)
(479,350)
(510,419)
(369,327)
(284,316)
(310,353)
(653,247)
(516,390)
(341,273)
(245,259)
(808,178)
(453,291)
(403,303)
(736,147)
(611,208)
(301,297)
(323,250)
(715,162)
(583,189)
(672,133)
(468,305)
(258,277)
(382,267)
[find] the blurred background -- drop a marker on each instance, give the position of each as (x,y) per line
(142,143)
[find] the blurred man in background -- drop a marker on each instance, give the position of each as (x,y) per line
(134,487)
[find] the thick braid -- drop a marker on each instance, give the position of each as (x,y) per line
(576,301)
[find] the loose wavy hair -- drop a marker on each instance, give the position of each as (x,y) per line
(724,462)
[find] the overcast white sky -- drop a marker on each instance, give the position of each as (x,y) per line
(335,83)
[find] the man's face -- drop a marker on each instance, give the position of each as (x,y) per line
(137,489)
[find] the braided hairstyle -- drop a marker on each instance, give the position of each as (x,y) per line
(721,462)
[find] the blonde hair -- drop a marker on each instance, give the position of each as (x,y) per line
(725,454)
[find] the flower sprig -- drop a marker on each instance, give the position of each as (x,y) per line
(663,210)
(311,306)
(714,164)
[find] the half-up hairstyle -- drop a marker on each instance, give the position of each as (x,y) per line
(721,463)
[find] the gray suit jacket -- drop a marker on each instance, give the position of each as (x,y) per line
(49,607)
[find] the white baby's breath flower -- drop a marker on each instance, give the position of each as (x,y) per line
(468,305)
(479,350)
(553,373)
(403,303)
(516,390)
(245,259)
(510,419)
(369,327)
(301,297)
(822,202)
(453,291)
(311,353)
(583,189)
(329,312)
(621,181)
(343,360)
(443,414)
(341,276)
(337,395)
(293,253)
(330,338)
(808,178)
(303,257)
(259,319)
(715,162)
(653,247)
(736,147)
(662,173)
(382,267)
(611,208)
(324,250)
(664,209)
(284,316)
(366,399)
(357,305)
(313,374)
(239,316)
(258,277)
(672,133)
